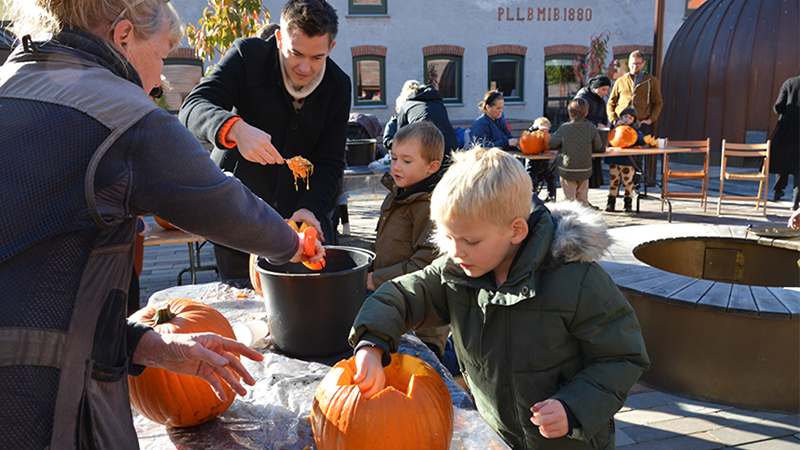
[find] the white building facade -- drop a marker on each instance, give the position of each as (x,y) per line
(466,47)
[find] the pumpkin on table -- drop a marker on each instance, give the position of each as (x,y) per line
(174,399)
(534,142)
(413,411)
(622,136)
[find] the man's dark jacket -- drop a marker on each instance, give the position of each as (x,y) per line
(248,83)
(786,136)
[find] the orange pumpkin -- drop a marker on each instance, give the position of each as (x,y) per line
(622,136)
(535,142)
(164,223)
(173,399)
(413,411)
(255,279)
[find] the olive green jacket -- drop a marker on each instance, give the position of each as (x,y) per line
(557,328)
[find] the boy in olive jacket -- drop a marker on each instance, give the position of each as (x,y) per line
(546,342)
(403,243)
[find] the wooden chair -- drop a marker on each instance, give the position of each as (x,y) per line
(702,146)
(762,176)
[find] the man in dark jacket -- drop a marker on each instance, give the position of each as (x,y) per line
(786,140)
(594,95)
(427,104)
(270,100)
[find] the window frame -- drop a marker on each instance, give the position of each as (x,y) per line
(689,10)
(520,97)
(459,60)
(363,10)
(369,103)
(546,99)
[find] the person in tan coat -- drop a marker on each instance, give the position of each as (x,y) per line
(639,90)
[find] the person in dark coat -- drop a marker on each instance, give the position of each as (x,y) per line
(425,103)
(271,100)
(594,95)
(786,140)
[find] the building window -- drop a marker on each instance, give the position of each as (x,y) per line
(692,5)
(370,80)
(182,72)
(560,83)
(443,70)
(505,75)
(366,7)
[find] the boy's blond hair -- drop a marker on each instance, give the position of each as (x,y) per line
(541,120)
(426,136)
(482,184)
(578,108)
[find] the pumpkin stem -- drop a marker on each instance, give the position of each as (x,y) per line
(163,314)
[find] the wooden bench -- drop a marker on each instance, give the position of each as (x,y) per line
(713,340)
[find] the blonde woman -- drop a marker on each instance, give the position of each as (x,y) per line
(86,152)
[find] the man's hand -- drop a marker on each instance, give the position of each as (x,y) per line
(307,217)
(551,418)
(254,144)
(198,354)
(646,121)
(370,377)
(513,142)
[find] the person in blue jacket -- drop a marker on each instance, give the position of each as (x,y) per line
(490,129)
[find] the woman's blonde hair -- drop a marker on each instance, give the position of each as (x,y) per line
(39,18)
(409,87)
(482,184)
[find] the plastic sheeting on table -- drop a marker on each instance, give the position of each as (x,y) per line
(274,415)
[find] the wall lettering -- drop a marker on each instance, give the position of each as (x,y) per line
(547,14)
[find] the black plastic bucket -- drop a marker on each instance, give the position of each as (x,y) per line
(309,312)
(360,152)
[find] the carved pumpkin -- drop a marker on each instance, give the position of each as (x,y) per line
(255,279)
(533,143)
(622,136)
(413,411)
(164,223)
(173,399)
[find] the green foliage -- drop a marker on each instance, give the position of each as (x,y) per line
(595,61)
(222,23)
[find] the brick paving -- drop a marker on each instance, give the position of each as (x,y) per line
(650,419)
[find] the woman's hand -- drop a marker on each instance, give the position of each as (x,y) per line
(370,377)
(370,284)
(201,355)
(551,418)
(254,144)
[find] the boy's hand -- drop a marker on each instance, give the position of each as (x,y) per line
(551,418)
(370,377)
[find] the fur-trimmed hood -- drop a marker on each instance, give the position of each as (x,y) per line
(581,233)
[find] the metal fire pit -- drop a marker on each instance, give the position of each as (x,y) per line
(719,308)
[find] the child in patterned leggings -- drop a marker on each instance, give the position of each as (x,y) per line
(620,168)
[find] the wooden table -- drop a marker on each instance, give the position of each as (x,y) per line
(616,151)
(159,235)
